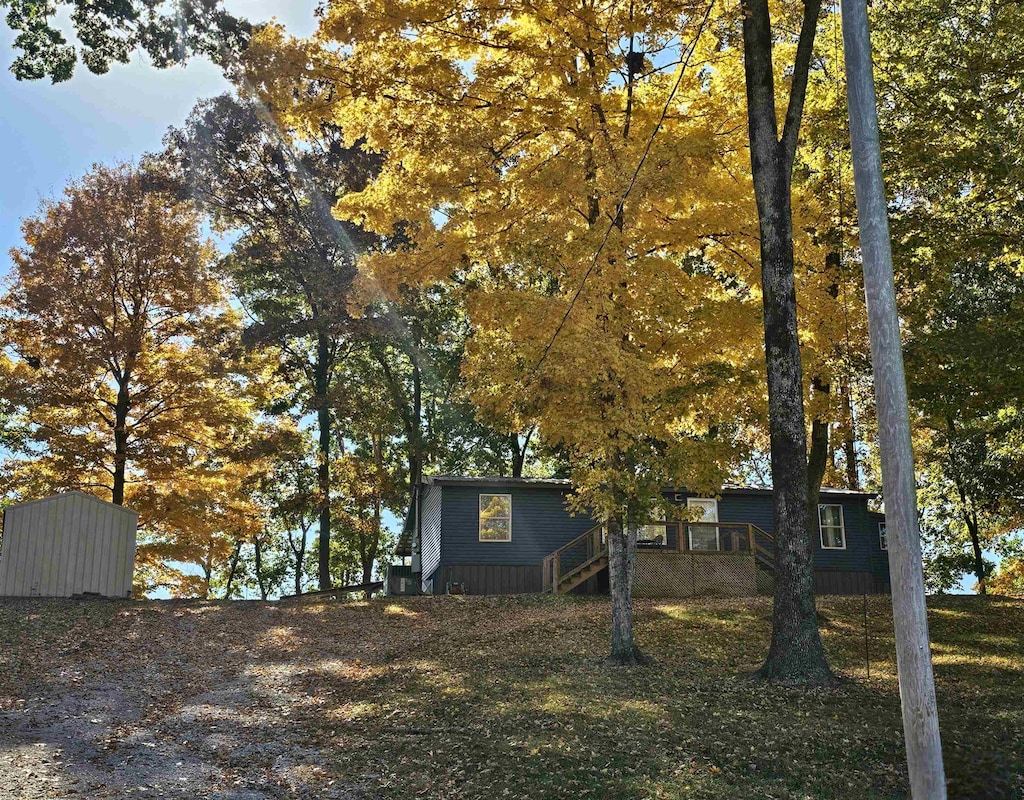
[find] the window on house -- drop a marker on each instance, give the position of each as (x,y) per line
(495,518)
(654,533)
(883,540)
(703,533)
(830,523)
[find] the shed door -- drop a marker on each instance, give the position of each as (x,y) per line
(704,536)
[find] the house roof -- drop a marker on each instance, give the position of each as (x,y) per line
(497,480)
(489,480)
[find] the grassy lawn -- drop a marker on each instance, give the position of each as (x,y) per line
(499,697)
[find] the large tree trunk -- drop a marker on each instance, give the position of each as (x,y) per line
(323,470)
(621,564)
(796,654)
(121,409)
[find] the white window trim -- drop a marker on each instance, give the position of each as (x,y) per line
(479,529)
(883,542)
(842,526)
(696,502)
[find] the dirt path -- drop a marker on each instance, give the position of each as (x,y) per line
(184,713)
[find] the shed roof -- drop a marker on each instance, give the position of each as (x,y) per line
(74,493)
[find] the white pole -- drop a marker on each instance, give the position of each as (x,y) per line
(913,657)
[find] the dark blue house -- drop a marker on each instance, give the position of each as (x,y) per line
(515,535)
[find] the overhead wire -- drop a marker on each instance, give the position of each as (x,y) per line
(620,206)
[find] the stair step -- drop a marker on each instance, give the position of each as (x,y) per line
(587,572)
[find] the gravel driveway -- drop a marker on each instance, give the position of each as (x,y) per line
(160,700)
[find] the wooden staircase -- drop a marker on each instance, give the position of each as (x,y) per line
(576,562)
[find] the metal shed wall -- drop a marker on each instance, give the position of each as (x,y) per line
(65,545)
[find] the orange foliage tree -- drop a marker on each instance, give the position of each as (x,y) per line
(121,365)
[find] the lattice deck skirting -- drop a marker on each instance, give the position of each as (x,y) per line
(690,574)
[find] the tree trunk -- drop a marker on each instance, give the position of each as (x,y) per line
(621,564)
(300,556)
(367,565)
(121,409)
(817,462)
(519,452)
(258,554)
(414,435)
(850,441)
(232,569)
(967,511)
(323,470)
(518,455)
(817,458)
(796,654)
(369,549)
(979,561)
(207,567)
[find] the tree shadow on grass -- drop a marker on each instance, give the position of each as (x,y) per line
(490,697)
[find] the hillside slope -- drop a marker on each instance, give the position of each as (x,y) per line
(483,698)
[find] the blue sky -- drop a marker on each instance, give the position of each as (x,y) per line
(51,134)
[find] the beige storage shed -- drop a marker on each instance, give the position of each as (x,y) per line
(68,544)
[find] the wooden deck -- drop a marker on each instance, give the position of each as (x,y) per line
(730,560)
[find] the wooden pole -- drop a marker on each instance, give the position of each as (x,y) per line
(913,656)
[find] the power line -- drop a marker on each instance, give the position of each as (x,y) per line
(632,182)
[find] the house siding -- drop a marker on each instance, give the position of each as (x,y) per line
(862,555)
(879,557)
(540,525)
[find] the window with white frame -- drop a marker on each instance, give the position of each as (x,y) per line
(703,533)
(495,518)
(830,524)
(883,539)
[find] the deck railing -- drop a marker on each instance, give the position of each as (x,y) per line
(705,538)
(727,537)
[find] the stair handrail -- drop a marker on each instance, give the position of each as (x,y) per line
(767,557)
(552,562)
(597,529)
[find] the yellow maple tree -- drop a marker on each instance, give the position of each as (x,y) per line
(580,170)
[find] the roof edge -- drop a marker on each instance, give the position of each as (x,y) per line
(494,480)
(78,492)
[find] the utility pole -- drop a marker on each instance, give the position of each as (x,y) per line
(913,656)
